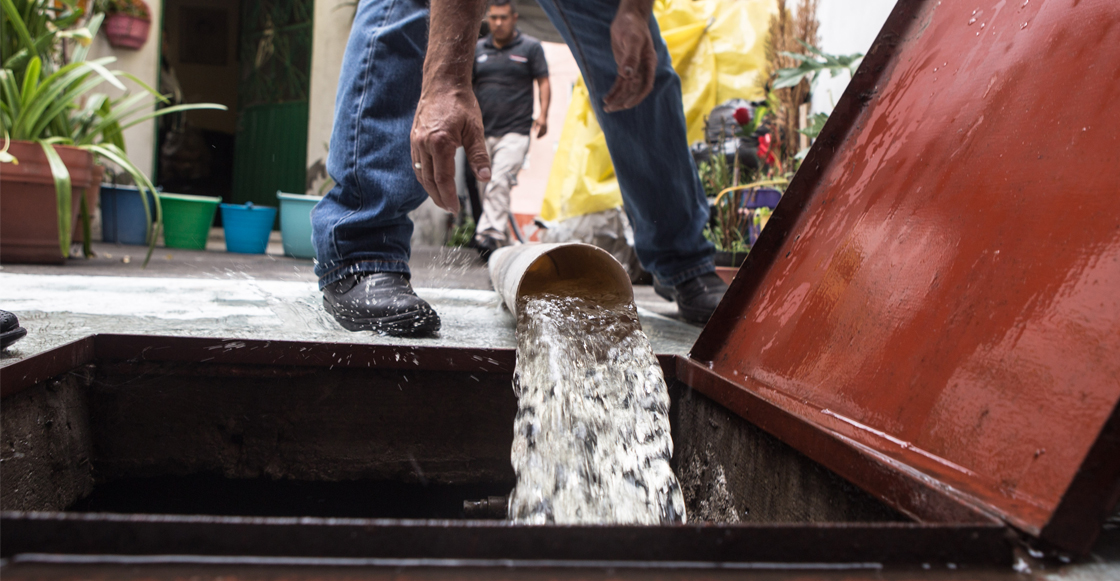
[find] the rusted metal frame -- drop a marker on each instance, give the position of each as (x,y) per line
(887,543)
(904,490)
(154,348)
(1082,501)
(39,368)
(302,354)
(798,196)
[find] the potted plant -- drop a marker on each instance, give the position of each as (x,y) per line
(55,125)
(127,22)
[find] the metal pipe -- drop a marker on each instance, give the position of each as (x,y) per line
(531,268)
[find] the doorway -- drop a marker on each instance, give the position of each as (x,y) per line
(254,57)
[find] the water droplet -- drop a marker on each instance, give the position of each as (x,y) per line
(935,69)
(981,25)
(1025,2)
(972,20)
(1023,26)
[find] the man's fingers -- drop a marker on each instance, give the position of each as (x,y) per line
(443,173)
(477,158)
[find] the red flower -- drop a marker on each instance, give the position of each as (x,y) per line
(765,153)
(742,116)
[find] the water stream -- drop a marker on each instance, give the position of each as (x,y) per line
(592,441)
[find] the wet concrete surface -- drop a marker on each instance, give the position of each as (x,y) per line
(213,293)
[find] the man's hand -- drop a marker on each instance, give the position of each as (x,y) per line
(446,119)
(634,54)
(448,115)
(540,127)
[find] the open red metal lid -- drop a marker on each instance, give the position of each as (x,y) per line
(939,288)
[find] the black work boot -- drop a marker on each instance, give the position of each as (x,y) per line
(383,302)
(10,331)
(486,246)
(696,298)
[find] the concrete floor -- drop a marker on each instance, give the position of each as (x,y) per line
(212,293)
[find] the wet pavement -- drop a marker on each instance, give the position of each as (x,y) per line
(213,293)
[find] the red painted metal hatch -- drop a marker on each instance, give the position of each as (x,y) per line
(934,309)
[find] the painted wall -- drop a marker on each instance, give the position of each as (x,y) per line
(847,26)
(144,64)
(331,30)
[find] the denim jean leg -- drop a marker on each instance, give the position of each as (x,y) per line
(648,145)
(362,224)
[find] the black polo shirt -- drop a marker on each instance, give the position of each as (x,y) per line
(503,83)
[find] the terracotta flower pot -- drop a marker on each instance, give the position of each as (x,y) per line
(93,197)
(29,220)
(125,31)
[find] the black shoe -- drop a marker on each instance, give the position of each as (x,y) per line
(696,298)
(486,247)
(10,331)
(383,302)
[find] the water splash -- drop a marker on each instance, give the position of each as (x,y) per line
(592,441)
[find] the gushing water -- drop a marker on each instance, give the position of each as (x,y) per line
(591,437)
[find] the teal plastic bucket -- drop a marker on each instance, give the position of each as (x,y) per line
(247,227)
(187,220)
(295,224)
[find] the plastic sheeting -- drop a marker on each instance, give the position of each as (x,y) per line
(718,49)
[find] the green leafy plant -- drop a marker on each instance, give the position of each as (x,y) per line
(51,103)
(135,8)
(462,234)
(813,64)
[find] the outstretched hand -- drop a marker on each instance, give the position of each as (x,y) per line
(634,54)
(446,119)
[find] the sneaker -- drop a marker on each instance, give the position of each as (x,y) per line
(10,331)
(697,298)
(383,302)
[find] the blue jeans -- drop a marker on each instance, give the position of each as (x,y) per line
(362,225)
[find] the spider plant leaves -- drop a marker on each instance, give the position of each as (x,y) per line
(117,155)
(61,177)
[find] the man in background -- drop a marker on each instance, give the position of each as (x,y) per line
(506,63)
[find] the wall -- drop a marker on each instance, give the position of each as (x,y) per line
(144,64)
(847,26)
(331,30)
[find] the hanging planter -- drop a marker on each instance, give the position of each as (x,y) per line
(127,22)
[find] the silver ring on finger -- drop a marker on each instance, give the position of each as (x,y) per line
(416,165)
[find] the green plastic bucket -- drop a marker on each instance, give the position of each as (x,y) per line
(295,224)
(187,220)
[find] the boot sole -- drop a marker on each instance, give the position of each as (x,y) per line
(410,324)
(9,337)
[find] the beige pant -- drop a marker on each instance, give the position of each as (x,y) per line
(507,153)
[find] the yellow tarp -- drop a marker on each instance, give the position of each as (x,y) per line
(717,47)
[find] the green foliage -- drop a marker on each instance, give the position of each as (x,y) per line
(814,64)
(816,124)
(462,234)
(41,100)
(715,174)
(726,240)
(136,8)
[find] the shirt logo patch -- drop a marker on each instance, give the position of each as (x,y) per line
(519,59)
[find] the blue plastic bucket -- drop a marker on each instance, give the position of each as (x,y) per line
(295,224)
(247,227)
(122,215)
